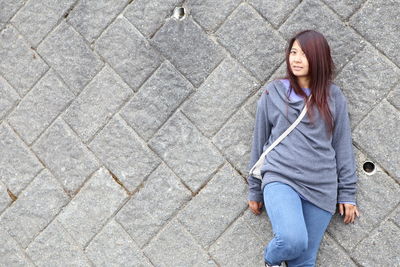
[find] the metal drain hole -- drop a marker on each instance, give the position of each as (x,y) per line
(369,167)
(179,13)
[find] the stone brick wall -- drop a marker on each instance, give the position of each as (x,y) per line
(125,128)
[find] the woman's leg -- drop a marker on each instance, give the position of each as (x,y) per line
(317,220)
(284,209)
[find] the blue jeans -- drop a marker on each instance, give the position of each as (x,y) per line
(298,226)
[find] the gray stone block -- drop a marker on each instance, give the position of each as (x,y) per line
(174,246)
(91,17)
(344,42)
(377,196)
(229,85)
(375,136)
(97,103)
(190,155)
(260,225)
(90,209)
(122,151)
(161,197)
(210,14)
(275,11)
(65,155)
(18,165)
(113,247)
(361,82)
(9,8)
(10,252)
(394,97)
(149,15)
(238,246)
(345,8)
(252,41)
(380,248)
(235,138)
(5,199)
(35,207)
(55,247)
(8,97)
(128,52)
(40,107)
(40,15)
(19,65)
(385,14)
(158,98)
(212,210)
(395,216)
(187,47)
(67,52)
(330,254)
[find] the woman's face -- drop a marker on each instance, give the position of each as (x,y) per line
(298,61)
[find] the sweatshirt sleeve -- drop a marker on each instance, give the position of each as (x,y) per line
(342,143)
(261,134)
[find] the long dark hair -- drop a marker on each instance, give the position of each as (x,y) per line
(321,71)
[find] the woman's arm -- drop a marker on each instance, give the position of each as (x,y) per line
(262,130)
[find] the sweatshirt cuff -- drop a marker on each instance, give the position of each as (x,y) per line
(255,196)
(348,202)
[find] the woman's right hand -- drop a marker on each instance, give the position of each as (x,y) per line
(255,207)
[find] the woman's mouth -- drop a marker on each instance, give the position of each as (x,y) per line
(297,68)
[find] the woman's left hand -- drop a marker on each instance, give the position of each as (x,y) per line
(350,212)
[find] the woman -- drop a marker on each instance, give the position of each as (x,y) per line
(313,168)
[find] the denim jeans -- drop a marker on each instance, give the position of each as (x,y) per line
(298,226)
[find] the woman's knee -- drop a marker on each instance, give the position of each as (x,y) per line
(294,244)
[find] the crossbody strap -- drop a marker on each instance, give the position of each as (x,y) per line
(255,170)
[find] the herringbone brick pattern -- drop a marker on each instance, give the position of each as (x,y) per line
(125,128)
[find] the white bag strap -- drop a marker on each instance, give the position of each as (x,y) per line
(255,170)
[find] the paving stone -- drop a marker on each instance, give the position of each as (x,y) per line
(375,135)
(35,207)
(65,155)
(235,138)
(252,41)
(68,53)
(121,150)
(210,14)
(215,207)
(8,97)
(331,255)
(395,216)
(377,195)
(18,165)
(128,52)
(394,97)
(165,90)
(260,225)
(9,8)
(385,36)
(343,41)
(188,48)
(113,247)
(54,246)
(381,247)
(149,15)
(230,85)
(238,238)
(365,92)
(89,210)
(19,65)
(97,103)
(5,199)
(91,17)
(275,11)
(345,8)
(40,15)
(40,107)
(161,197)
(10,252)
(175,247)
(190,155)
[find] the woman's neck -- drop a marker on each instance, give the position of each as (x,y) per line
(304,82)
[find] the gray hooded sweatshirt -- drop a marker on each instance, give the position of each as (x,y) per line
(321,168)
